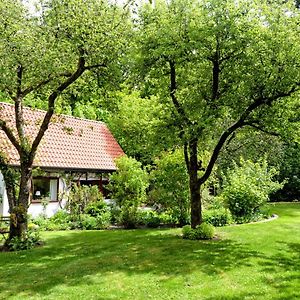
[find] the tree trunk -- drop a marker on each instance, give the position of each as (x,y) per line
(18,213)
(196,208)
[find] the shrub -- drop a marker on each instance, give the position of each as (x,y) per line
(30,239)
(170,186)
(166,218)
(88,222)
(128,188)
(203,231)
(80,197)
(101,212)
(149,218)
(129,217)
(41,221)
(60,217)
(247,188)
(187,232)
(95,209)
(217,217)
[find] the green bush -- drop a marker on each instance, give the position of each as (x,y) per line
(149,218)
(187,232)
(170,186)
(247,188)
(95,209)
(166,218)
(128,188)
(97,217)
(201,232)
(204,231)
(88,222)
(101,212)
(217,217)
(129,217)
(30,239)
(80,197)
(41,221)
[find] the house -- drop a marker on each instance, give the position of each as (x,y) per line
(71,149)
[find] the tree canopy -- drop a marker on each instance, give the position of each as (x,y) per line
(220,66)
(41,56)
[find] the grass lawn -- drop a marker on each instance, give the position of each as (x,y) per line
(254,261)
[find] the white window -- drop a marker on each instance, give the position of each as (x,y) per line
(44,188)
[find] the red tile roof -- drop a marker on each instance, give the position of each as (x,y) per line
(69,143)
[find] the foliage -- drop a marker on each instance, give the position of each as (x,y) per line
(139,126)
(129,217)
(289,172)
(247,187)
(150,218)
(204,231)
(80,197)
(97,216)
(29,240)
(89,222)
(128,188)
(217,217)
(96,208)
(169,185)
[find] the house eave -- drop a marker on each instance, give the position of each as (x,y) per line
(71,169)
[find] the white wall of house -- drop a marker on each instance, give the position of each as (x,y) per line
(3,198)
(36,209)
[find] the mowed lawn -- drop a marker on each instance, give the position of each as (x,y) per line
(254,261)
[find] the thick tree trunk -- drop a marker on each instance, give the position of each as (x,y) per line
(18,224)
(18,213)
(196,208)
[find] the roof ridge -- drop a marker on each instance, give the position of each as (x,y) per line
(63,115)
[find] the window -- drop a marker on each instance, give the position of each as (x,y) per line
(44,187)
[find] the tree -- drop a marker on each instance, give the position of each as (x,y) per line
(219,66)
(41,56)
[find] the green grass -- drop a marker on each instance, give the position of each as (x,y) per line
(254,261)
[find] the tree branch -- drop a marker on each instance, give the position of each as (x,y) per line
(19,118)
(95,66)
(44,82)
(10,135)
(186,155)
(51,101)
(239,124)
(173,88)
(19,80)
(255,126)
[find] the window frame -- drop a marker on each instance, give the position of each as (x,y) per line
(48,178)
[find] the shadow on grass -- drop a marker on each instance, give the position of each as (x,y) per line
(71,258)
(285,265)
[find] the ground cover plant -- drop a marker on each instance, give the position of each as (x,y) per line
(250,261)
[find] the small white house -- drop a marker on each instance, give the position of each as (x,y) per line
(74,148)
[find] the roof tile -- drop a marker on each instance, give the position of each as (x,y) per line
(69,143)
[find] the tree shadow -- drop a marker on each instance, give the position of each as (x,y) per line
(285,269)
(71,258)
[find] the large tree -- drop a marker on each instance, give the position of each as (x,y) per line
(41,55)
(220,66)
